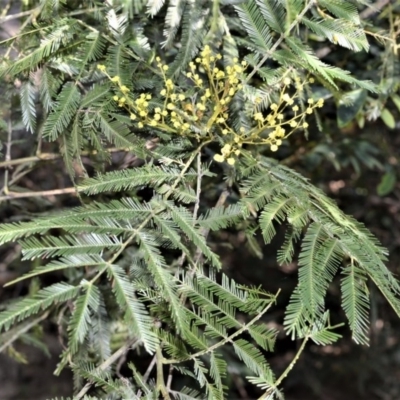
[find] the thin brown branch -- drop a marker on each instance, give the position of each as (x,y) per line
(43,193)
(53,156)
(8,154)
(26,160)
(16,16)
(373,8)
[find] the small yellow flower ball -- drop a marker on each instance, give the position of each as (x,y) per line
(287,81)
(274,147)
(258,116)
(218,158)
(124,89)
(132,116)
(274,107)
(226,149)
(230,161)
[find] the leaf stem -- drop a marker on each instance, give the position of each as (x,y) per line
(229,338)
(280,40)
(285,373)
(160,375)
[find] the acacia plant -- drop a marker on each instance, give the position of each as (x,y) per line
(206,96)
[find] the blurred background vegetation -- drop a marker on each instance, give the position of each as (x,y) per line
(352,153)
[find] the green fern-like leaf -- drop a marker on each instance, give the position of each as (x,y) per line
(128,179)
(56,36)
(67,104)
(137,317)
(194,27)
(356,302)
(340,32)
(81,316)
(255,25)
(28,106)
(342,9)
(43,299)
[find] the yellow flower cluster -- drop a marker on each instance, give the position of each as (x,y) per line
(274,120)
(205,116)
(271,128)
(227,153)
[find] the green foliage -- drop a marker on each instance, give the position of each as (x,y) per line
(137,256)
